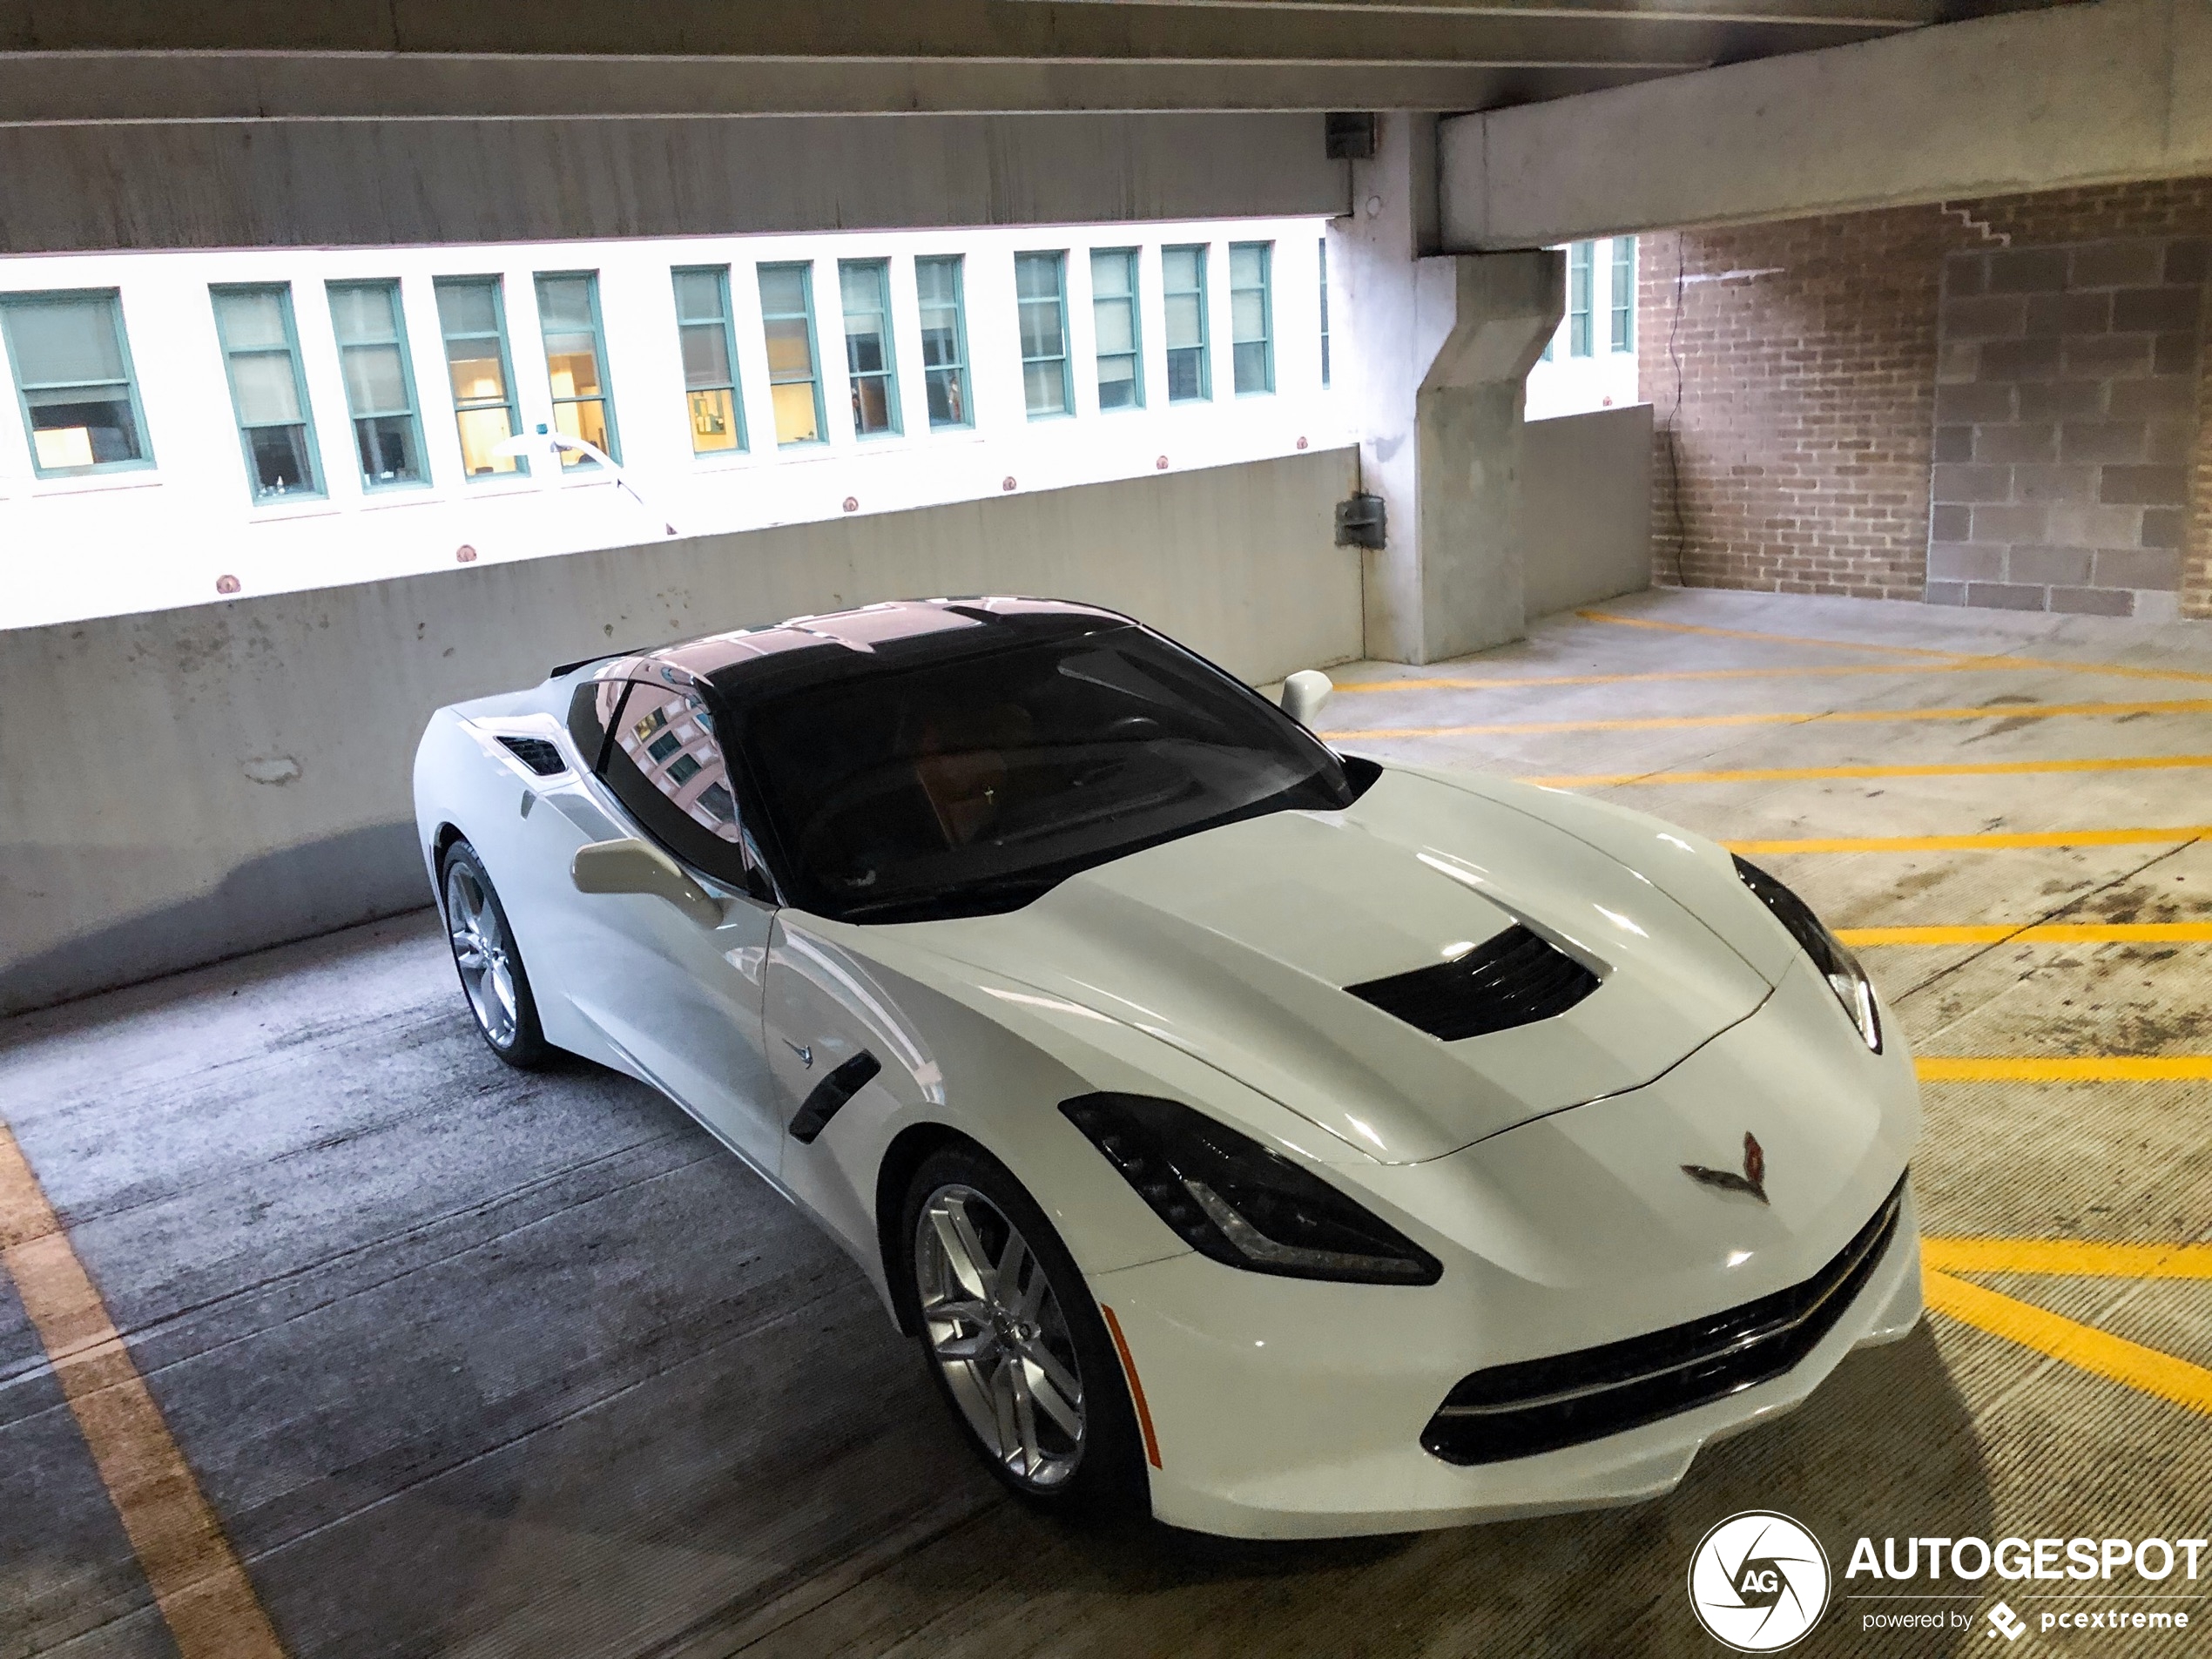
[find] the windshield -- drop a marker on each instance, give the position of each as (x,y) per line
(962,786)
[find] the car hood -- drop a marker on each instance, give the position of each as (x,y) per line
(1235,945)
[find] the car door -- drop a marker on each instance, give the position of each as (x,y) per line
(678,998)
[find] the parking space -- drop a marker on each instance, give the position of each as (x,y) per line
(467,1361)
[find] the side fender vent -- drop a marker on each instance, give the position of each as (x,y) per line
(537,754)
(1515,979)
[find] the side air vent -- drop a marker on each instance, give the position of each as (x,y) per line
(1515,979)
(537,754)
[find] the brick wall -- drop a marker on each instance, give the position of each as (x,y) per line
(1807,352)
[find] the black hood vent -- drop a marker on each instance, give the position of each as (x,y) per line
(1515,979)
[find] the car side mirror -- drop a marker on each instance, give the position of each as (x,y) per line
(1303,694)
(636,866)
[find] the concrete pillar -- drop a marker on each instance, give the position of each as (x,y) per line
(1440,345)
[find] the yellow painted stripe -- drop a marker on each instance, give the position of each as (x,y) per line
(2083,1346)
(1469,683)
(1995,840)
(2041,932)
(2065,1069)
(1961,658)
(196,1577)
(1999,712)
(1809,774)
(2079,1257)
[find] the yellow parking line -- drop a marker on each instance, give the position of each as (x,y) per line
(2065,1069)
(2098,1353)
(1994,840)
(2079,1257)
(2041,932)
(1999,711)
(1809,774)
(196,1577)
(1459,683)
(1964,658)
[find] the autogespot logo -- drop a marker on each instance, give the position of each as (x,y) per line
(1758,1581)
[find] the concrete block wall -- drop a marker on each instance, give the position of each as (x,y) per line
(1795,368)
(208,780)
(2066,411)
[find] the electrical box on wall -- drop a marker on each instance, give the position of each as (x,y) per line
(1359,522)
(1350,135)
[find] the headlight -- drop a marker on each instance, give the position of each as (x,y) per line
(1231,1199)
(1830,954)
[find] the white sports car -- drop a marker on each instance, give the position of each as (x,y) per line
(1288,1143)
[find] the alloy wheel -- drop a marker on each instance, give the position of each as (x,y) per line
(998,1334)
(480,950)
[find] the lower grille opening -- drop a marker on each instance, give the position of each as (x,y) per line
(1535,1406)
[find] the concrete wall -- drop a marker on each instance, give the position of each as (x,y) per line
(1809,376)
(1586,507)
(180,785)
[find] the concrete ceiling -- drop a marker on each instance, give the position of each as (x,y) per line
(103,61)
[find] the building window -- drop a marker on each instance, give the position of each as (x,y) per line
(1622,293)
(371,327)
(576,363)
(1113,309)
(1251,345)
(72,367)
(1040,289)
(472,317)
(703,333)
(1325,311)
(1581,271)
(261,349)
(1183,286)
(795,381)
(865,286)
(944,340)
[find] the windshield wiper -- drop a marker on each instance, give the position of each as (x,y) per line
(1032,883)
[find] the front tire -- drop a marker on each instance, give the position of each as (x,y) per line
(490,965)
(1013,1341)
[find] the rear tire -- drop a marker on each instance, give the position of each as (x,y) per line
(1025,1364)
(489,962)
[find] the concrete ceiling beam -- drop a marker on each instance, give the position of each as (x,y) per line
(115,89)
(2078,95)
(370,184)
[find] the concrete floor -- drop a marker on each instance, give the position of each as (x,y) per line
(467,1362)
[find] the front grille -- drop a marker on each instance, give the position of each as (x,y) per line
(537,754)
(1541,1405)
(1515,979)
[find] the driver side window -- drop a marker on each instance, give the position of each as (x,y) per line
(663,763)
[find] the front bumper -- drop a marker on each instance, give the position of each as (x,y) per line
(1297,1410)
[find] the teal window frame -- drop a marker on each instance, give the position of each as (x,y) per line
(604,397)
(497,286)
(12,306)
(1324,245)
(389,287)
(1266,341)
(805,270)
(880,272)
(1621,294)
(1130,301)
(725,321)
(1056,260)
(1204,347)
(945,381)
(312,488)
(1582,272)
(953,373)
